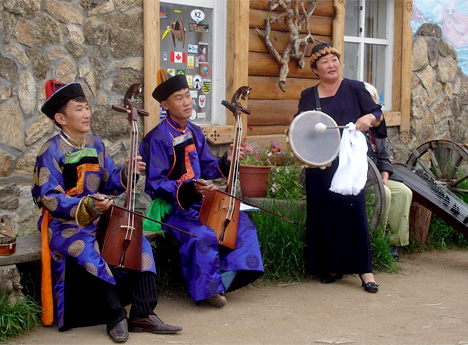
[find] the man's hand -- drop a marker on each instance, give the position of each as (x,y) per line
(385,175)
(231,148)
(103,203)
(140,165)
(204,188)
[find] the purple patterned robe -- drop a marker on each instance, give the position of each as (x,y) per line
(63,175)
(174,158)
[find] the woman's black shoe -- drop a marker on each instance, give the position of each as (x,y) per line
(371,287)
(330,278)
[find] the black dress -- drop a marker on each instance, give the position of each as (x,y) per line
(337,233)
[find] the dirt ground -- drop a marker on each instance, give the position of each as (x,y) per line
(425,303)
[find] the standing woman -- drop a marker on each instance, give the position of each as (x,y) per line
(337,231)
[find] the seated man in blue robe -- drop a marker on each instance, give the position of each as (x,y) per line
(176,154)
(69,167)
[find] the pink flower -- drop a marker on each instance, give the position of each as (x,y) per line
(249,148)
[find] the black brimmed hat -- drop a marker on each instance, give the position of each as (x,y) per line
(168,87)
(58,94)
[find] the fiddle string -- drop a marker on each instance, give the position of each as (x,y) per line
(236,149)
(237,157)
(135,166)
(431,187)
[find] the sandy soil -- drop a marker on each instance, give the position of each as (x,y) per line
(425,303)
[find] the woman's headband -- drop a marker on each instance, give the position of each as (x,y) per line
(322,52)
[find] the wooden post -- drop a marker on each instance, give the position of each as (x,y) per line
(151,60)
(406,71)
(419,221)
(339,27)
(237,52)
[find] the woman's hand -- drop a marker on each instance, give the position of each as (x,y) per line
(204,188)
(365,122)
(140,165)
(103,203)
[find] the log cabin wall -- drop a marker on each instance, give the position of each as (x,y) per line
(272,110)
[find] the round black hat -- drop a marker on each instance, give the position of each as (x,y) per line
(168,87)
(60,97)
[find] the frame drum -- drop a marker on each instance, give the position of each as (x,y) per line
(315,148)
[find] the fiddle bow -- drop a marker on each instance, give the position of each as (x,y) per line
(220,210)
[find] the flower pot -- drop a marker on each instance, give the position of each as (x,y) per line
(254,180)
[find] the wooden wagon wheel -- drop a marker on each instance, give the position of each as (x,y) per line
(444,161)
(375,196)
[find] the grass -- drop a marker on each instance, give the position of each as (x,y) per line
(18,318)
(282,243)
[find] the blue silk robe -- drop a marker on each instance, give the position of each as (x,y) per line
(63,175)
(174,158)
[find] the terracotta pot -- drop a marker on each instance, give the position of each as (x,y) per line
(254,180)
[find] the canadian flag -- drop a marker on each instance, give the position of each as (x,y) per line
(178,57)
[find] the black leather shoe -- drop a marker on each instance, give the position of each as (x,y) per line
(119,333)
(153,324)
(330,278)
(371,287)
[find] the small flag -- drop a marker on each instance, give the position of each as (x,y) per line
(178,57)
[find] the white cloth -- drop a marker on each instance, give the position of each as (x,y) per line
(351,175)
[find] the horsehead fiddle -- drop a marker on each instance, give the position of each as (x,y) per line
(120,229)
(220,210)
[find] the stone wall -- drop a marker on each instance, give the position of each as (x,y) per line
(439,94)
(98,43)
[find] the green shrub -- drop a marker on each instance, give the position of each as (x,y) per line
(281,242)
(18,318)
(286,182)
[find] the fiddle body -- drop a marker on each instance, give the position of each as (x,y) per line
(220,210)
(121,243)
(214,213)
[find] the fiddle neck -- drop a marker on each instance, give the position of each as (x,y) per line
(131,170)
(234,166)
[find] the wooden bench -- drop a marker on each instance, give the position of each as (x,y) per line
(28,249)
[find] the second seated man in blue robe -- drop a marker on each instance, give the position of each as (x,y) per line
(177,154)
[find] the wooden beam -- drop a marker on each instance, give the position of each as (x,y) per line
(318,25)
(280,40)
(392,118)
(265,140)
(339,26)
(237,51)
(272,112)
(267,87)
(406,71)
(269,130)
(264,64)
(218,134)
(151,61)
(397,51)
(322,8)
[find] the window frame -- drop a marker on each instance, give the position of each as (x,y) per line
(387,42)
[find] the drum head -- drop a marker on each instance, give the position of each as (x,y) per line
(314,147)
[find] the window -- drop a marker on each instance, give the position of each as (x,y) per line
(201,57)
(368,45)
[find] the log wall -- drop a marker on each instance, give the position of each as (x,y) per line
(272,110)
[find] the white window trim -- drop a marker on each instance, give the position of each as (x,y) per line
(218,68)
(377,41)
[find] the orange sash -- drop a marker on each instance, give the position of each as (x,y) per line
(46,284)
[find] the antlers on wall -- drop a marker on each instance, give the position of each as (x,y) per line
(295,15)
